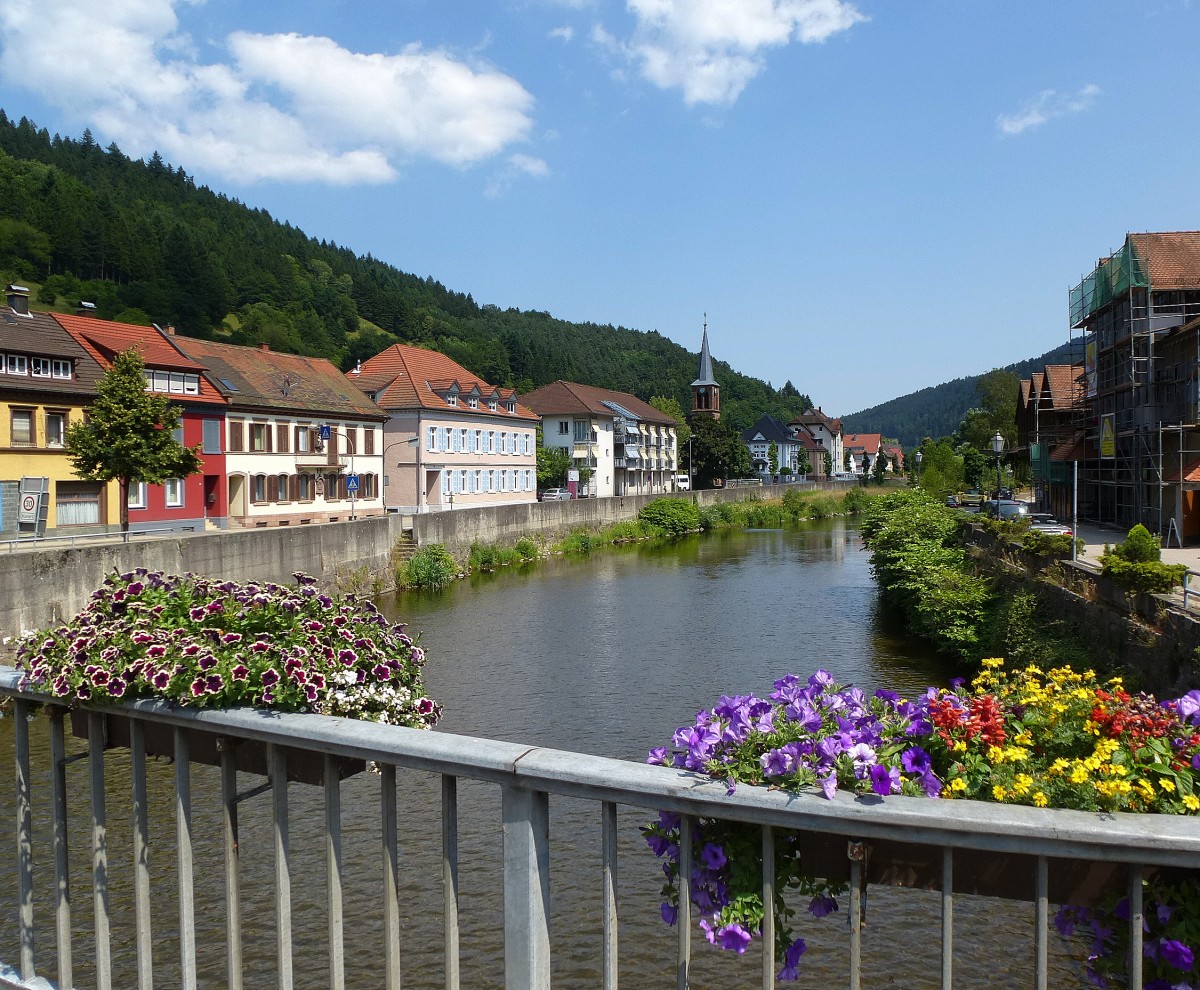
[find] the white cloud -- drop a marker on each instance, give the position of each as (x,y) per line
(284,106)
(1048,105)
(711,49)
(563,33)
(518,165)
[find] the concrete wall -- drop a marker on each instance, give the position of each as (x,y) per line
(45,585)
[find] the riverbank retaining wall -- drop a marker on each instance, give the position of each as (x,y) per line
(47,583)
(1150,638)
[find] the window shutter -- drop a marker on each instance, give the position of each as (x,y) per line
(236,441)
(281,438)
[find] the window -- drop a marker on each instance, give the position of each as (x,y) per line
(464,439)
(492,404)
(281,437)
(305,488)
(503,442)
(17,364)
(304,443)
(260,437)
(473,402)
(281,488)
(22,428)
(431,444)
(135,496)
(236,436)
(563,427)
(351,434)
(173,490)
(333,487)
(478,480)
(457,437)
(39,367)
(452,400)
(369,440)
(177,434)
(61,369)
(78,503)
(258,489)
(491,441)
(462,481)
(445,482)
(210,442)
(56,429)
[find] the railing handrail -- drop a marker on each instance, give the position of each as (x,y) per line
(1162,840)
(16,542)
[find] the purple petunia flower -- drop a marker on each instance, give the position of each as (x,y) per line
(829,785)
(669,913)
(240,672)
(791,960)
(733,938)
(199,687)
(230,638)
(930,784)
(116,687)
(270,677)
(915,760)
(659,756)
(777,762)
(863,757)
(1176,954)
(822,905)
(161,680)
(885,780)
(713,856)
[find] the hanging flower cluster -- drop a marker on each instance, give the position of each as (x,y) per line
(214,644)
(1056,739)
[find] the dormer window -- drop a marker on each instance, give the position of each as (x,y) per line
(473,402)
(492,404)
(511,406)
(452,399)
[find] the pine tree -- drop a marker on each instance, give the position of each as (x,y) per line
(129,434)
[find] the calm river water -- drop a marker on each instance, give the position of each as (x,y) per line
(605,655)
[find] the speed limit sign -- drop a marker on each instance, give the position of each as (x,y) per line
(28,503)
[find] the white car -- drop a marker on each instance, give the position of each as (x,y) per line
(556,495)
(1043,522)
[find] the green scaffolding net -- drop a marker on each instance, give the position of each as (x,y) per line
(1111,278)
(1046,470)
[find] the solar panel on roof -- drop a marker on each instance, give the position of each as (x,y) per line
(229,385)
(618,409)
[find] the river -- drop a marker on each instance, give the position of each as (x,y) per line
(606,654)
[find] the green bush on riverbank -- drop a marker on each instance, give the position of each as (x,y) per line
(919,559)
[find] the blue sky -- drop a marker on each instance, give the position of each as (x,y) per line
(865,198)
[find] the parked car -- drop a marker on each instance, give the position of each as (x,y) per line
(1043,522)
(952,501)
(556,495)
(972,496)
(1005,509)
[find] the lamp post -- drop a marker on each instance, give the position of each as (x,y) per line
(998,450)
(917,457)
(333,435)
(691,485)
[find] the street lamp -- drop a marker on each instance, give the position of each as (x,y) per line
(998,450)
(691,485)
(333,435)
(918,458)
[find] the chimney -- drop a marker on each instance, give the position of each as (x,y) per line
(357,367)
(169,329)
(264,347)
(85,308)
(18,299)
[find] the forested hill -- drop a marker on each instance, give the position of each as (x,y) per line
(937,411)
(144,243)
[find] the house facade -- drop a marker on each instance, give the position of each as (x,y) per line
(47,380)
(622,445)
(193,502)
(451,440)
(861,451)
(302,443)
(1139,416)
(788,446)
(825,430)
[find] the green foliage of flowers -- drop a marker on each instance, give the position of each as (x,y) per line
(214,644)
(431,567)
(526,549)
(674,516)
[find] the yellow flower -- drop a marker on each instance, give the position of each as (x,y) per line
(960,746)
(1191,802)
(1079,775)
(999,793)
(1058,767)
(958,785)
(1167,785)
(1040,800)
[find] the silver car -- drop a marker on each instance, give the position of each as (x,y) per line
(1043,522)
(556,495)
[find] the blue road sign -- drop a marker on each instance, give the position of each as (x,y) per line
(326,433)
(351,483)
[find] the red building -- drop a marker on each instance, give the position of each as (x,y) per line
(178,503)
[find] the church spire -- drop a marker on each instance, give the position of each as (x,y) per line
(706,393)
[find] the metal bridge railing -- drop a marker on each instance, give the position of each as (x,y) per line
(527,777)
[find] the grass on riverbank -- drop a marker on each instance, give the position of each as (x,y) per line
(436,567)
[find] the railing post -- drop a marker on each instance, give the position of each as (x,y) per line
(857,853)
(683,917)
(608,832)
(62,865)
(947,918)
(233,887)
(391,876)
(450,877)
(141,856)
(526,889)
(183,853)
(333,867)
(24,839)
(277,774)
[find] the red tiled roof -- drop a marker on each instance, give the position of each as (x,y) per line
(105,339)
(560,398)
(264,379)
(1171,260)
(866,442)
(1065,384)
(406,377)
(1191,473)
(815,417)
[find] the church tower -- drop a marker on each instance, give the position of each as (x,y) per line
(706,393)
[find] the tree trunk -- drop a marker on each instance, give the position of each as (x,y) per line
(123,495)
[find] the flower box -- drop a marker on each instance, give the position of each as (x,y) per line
(204,746)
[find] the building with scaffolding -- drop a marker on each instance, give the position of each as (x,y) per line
(1135,423)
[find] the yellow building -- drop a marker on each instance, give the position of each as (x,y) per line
(47,380)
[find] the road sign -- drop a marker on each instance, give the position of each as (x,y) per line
(352,484)
(326,432)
